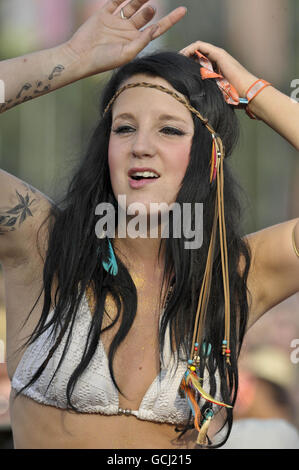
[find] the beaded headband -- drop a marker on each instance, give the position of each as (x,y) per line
(191,382)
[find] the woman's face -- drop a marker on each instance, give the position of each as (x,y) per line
(151,131)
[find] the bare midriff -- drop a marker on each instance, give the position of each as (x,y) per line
(37,426)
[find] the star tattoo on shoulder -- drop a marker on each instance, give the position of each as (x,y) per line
(12,218)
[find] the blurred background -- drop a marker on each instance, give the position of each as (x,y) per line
(41,140)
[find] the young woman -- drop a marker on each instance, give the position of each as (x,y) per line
(132,339)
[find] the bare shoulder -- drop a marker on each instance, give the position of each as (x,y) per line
(25,215)
(274,270)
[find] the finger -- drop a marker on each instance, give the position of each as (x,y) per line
(131,8)
(145,15)
(170,20)
(128,10)
(112,5)
(204,47)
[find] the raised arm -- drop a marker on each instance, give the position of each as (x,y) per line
(277,110)
(104,42)
(274,273)
(37,74)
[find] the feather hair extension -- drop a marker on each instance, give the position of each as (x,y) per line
(111,265)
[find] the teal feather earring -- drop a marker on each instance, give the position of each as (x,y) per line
(110,266)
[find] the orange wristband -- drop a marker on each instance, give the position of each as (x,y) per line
(253,91)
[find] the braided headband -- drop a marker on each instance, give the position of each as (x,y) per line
(217,143)
(191,381)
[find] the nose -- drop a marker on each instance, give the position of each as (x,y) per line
(143,144)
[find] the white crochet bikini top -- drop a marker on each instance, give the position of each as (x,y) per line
(94,391)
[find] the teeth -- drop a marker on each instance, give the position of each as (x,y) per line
(145,174)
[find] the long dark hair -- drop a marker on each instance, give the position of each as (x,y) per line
(73,245)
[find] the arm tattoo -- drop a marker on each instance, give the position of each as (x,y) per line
(56,71)
(12,218)
(24,87)
(39,88)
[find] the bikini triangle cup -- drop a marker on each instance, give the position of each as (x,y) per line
(191,384)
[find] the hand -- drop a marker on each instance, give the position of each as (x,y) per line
(226,65)
(106,41)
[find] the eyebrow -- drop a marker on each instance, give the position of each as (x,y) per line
(162,117)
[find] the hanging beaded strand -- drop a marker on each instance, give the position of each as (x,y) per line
(224,257)
(216,173)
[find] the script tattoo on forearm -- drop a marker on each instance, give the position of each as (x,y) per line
(24,87)
(39,89)
(13,217)
(56,71)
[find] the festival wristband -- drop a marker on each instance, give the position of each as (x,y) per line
(253,91)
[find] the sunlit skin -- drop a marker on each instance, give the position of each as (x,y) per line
(144,138)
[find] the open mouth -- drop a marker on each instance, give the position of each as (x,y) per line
(141,177)
(147,175)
